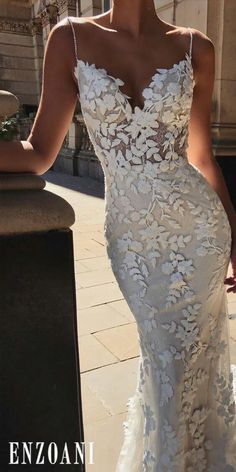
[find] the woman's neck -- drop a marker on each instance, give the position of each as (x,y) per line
(133,16)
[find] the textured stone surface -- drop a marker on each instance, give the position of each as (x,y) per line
(21,181)
(39,363)
(27,211)
(9,104)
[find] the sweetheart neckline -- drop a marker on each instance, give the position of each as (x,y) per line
(158,71)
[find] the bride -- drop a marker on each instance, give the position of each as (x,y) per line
(145,89)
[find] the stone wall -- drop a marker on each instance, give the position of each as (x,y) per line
(21,51)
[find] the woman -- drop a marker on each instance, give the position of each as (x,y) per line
(145,88)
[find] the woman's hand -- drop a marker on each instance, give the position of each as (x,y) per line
(232,279)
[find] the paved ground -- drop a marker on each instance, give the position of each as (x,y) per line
(107,332)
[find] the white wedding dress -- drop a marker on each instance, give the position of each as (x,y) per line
(168,240)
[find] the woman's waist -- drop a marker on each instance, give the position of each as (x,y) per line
(184,190)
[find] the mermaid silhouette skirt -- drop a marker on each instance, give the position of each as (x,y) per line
(170,267)
(168,239)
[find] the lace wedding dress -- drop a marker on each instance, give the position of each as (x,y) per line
(168,239)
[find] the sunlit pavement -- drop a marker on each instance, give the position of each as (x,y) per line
(107,331)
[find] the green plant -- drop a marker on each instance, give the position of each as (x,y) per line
(8,129)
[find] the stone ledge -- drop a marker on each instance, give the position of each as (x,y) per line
(25,207)
(21,181)
(27,211)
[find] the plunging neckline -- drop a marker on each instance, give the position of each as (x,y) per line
(120,82)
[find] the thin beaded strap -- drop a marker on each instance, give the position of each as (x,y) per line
(75,42)
(191,42)
(75,46)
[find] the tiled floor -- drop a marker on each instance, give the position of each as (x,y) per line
(107,332)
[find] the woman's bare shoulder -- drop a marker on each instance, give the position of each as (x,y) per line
(80,20)
(61,39)
(202,46)
(202,43)
(203,51)
(198,35)
(84,26)
(62,29)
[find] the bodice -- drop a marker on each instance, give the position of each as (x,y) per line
(152,139)
(123,137)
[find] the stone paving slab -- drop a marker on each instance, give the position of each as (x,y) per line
(94,263)
(122,341)
(90,278)
(107,436)
(98,318)
(108,340)
(94,354)
(98,294)
(93,408)
(113,384)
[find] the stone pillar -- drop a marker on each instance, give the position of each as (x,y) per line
(66,8)
(40,396)
(48,16)
(40,392)
(37,37)
(221,28)
(9,105)
(90,7)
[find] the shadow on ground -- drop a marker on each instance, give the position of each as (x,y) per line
(85,185)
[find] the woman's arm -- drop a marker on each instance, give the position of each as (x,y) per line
(55,112)
(200,141)
(200,151)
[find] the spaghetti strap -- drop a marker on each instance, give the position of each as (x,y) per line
(75,42)
(76,49)
(191,42)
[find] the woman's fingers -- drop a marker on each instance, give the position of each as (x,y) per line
(230,280)
(232,289)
